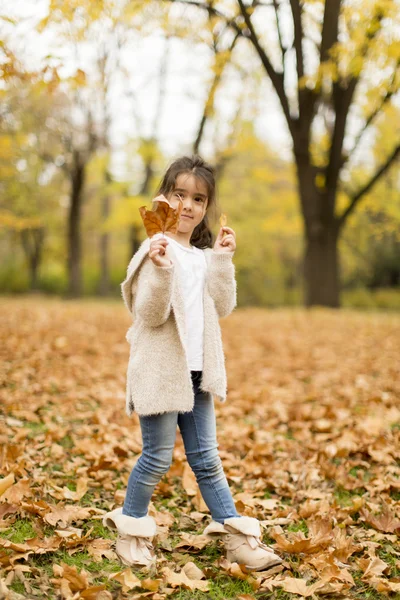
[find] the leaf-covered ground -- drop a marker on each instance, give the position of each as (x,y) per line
(309,437)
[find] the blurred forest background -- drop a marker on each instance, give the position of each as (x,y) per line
(295,103)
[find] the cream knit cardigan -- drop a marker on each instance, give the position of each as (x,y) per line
(158,376)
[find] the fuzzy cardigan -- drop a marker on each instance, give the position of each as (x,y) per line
(158,376)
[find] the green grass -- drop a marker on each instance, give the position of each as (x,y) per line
(362,591)
(17,586)
(35,429)
(387,554)
(299,526)
(221,587)
(67,442)
(20,531)
(345,497)
(99,531)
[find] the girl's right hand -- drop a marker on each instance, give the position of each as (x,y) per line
(157,252)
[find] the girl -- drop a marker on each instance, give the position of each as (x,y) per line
(177,286)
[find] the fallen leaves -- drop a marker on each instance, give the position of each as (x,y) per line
(386,521)
(321,536)
(183,580)
(309,444)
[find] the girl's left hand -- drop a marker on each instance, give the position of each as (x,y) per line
(227,242)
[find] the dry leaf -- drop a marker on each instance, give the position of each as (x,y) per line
(196,542)
(6,482)
(127,579)
(300,587)
(76,581)
(192,571)
(162,218)
(182,580)
(97,592)
(372,567)
(189,482)
(386,521)
(151,584)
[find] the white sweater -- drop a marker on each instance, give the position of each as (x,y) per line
(158,374)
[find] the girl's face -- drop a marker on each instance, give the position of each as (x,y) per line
(193,193)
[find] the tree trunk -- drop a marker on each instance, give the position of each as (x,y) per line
(104,283)
(321,269)
(134,240)
(320,260)
(32,242)
(74,228)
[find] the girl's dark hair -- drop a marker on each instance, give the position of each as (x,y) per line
(202,236)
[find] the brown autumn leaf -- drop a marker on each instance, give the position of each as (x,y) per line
(386,521)
(99,548)
(162,218)
(127,579)
(15,492)
(372,567)
(300,587)
(151,584)
(344,545)
(193,571)
(97,592)
(193,542)
(6,482)
(321,537)
(182,580)
(76,581)
(63,515)
(189,482)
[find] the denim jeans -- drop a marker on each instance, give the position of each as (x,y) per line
(198,429)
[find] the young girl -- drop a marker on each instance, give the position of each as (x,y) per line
(177,287)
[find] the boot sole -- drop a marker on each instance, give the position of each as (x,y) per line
(274,564)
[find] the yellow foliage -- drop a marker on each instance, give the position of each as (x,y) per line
(10,221)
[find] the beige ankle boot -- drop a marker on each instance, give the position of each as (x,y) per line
(242,541)
(134,544)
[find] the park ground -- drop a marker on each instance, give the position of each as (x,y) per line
(309,438)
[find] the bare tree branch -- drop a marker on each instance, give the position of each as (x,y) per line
(298,36)
(231,22)
(278,27)
(355,198)
(277,79)
(211,95)
(371,118)
(329,28)
(342,101)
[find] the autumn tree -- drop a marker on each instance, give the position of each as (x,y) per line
(334,69)
(26,184)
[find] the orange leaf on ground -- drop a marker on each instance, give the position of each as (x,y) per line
(182,580)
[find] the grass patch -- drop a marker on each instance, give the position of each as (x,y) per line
(221,588)
(20,531)
(67,442)
(99,531)
(387,554)
(299,526)
(363,591)
(17,586)
(35,429)
(345,497)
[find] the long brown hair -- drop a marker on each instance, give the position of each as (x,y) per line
(202,236)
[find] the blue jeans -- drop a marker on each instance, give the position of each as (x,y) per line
(198,429)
